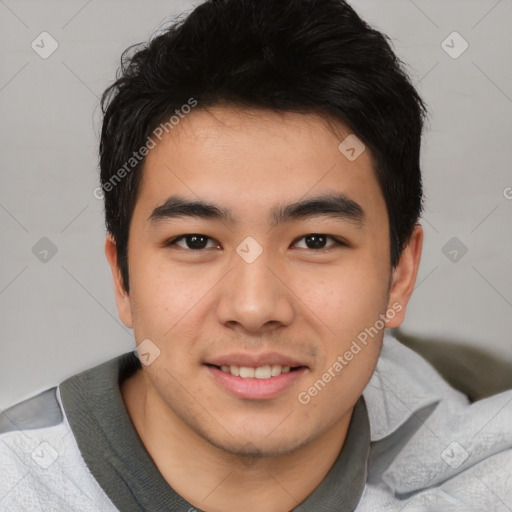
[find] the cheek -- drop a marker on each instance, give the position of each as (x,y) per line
(162,297)
(345,298)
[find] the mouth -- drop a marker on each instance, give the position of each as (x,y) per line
(256,378)
(259,372)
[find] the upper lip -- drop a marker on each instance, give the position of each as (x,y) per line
(255,360)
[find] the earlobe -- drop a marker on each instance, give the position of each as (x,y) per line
(123,301)
(404,278)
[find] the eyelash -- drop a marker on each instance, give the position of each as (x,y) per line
(337,242)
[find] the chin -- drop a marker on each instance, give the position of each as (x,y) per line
(257,446)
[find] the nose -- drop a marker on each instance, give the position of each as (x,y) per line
(255,296)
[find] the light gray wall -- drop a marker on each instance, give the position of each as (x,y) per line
(59,317)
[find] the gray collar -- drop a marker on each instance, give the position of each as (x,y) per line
(123,468)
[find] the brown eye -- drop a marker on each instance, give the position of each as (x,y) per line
(318,241)
(194,241)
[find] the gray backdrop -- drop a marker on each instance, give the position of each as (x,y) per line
(57,308)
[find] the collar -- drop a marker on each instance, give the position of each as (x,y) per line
(402,384)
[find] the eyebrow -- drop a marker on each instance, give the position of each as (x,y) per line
(336,206)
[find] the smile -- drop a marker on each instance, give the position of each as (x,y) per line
(256,383)
(261,372)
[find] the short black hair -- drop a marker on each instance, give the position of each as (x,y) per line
(304,56)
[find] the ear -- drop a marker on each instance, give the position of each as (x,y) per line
(124,306)
(403,278)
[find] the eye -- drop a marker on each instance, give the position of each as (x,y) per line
(194,241)
(318,241)
(197,242)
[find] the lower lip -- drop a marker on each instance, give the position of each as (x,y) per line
(256,389)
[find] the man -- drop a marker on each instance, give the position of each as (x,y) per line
(260,169)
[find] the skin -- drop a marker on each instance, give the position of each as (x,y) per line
(307,302)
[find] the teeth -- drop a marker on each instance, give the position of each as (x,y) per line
(261,372)
(246,373)
(275,370)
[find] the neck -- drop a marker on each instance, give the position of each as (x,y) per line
(214,480)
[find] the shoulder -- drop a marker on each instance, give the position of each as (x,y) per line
(441,449)
(42,410)
(41,467)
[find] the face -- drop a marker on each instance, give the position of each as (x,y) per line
(262,305)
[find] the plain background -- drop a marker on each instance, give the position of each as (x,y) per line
(58,316)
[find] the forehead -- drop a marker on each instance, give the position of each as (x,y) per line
(249,160)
